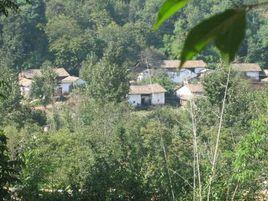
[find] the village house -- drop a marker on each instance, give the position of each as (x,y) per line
(250,70)
(188,92)
(146,95)
(66,82)
(26,78)
(196,66)
(189,70)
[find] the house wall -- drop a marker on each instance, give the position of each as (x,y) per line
(66,87)
(134,99)
(181,76)
(198,70)
(253,75)
(158,99)
(184,92)
(199,94)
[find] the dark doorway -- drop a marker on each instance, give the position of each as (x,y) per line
(146,100)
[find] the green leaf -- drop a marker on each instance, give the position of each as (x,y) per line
(226,29)
(228,41)
(169,8)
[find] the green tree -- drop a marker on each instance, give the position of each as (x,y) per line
(10,94)
(9,5)
(109,81)
(23,43)
(44,86)
(250,163)
(68,42)
(215,84)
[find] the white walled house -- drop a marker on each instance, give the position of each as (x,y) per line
(145,95)
(68,83)
(189,92)
(26,78)
(250,70)
(65,81)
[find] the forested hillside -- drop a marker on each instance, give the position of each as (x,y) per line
(70,34)
(95,146)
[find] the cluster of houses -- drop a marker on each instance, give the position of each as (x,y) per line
(187,80)
(65,81)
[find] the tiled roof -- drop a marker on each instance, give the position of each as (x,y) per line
(247,67)
(187,64)
(31,73)
(70,79)
(195,88)
(146,89)
(61,72)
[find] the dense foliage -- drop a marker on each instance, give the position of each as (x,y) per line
(44,87)
(112,152)
(8,169)
(68,33)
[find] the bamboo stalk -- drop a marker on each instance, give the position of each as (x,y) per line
(196,155)
(215,155)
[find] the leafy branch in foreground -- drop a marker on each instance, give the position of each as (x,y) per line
(169,8)
(226,30)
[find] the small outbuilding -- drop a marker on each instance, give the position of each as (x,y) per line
(188,92)
(146,95)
